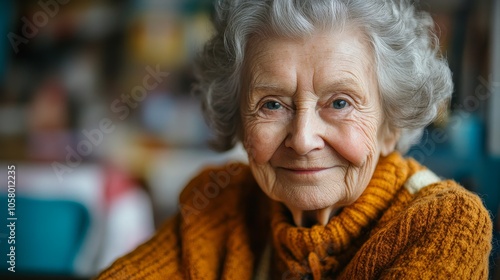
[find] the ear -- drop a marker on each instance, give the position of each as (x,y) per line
(388,140)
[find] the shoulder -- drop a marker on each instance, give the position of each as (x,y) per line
(214,188)
(449,194)
(446,231)
(209,202)
(443,231)
(431,193)
(444,202)
(446,199)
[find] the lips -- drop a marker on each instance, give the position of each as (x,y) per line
(307,170)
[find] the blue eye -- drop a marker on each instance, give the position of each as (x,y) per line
(339,104)
(272,105)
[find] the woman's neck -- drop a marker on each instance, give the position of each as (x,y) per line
(308,218)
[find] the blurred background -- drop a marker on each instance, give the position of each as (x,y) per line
(96,115)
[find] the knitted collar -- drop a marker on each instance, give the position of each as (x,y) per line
(325,249)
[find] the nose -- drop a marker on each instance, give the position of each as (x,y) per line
(306,132)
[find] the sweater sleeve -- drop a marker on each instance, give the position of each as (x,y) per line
(445,233)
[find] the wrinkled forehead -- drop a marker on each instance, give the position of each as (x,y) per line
(328,56)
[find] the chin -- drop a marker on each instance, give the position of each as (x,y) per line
(312,200)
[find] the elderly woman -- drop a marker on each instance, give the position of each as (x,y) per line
(325,96)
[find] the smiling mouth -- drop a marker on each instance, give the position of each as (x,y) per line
(306,170)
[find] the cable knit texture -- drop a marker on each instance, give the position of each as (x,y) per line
(225,223)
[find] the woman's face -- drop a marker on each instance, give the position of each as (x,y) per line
(313,125)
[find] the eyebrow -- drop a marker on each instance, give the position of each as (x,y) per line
(267,88)
(342,84)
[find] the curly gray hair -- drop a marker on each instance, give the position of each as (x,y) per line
(414,79)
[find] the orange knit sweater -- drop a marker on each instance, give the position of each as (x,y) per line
(228,229)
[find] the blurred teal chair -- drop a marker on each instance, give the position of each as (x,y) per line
(49,235)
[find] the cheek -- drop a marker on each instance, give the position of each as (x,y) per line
(356,142)
(262,140)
